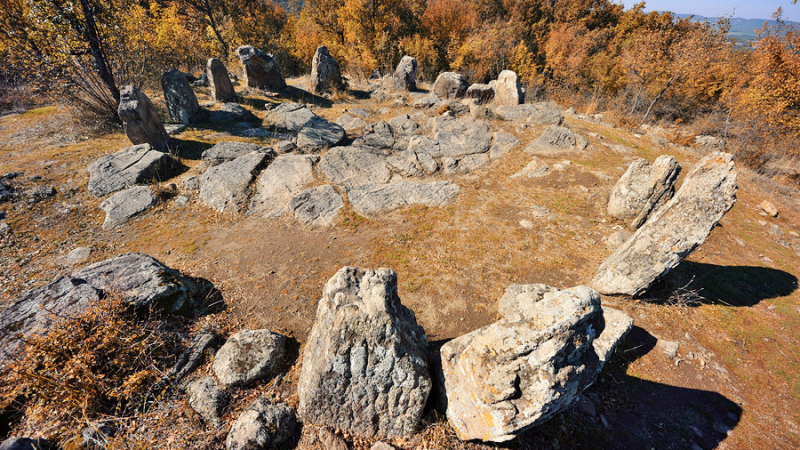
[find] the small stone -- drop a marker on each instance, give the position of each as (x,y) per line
(75,256)
(669,348)
(207,399)
(527,224)
(262,425)
(618,238)
(249,356)
(768,208)
(181,201)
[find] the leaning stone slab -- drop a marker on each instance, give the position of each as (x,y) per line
(140,119)
(319,206)
(260,69)
(133,165)
(556,140)
(325,74)
(371,200)
(182,105)
(219,81)
(507,89)
(520,371)
(289,116)
(643,189)
(225,187)
(249,356)
(405,76)
(283,179)
(263,425)
(353,166)
(123,205)
(365,368)
(674,231)
(230,150)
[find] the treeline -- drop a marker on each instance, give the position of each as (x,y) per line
(645,66)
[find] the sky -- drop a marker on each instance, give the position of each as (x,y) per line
(746,9)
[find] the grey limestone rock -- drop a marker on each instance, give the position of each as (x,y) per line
(319,206)
(529,113)
(461,137)
(230,150)
(556,140)
(616,326)
(249,356)
(140,119)
(231,112)
(507,89)
(133,165)
(352,125)
(377,135)
(643,189)
(674,231)
(373,199)
(206,340)
(207,399)
(318,134)
(365,368)
(219,81)
(325,74)
(289,116)
(260,69)
(225,187)
(283,179)
(182,105)
(481,93)
(502,144)
(125,204)
(405,76)
(261,426)
(27,444)
(450,85)
(353,166)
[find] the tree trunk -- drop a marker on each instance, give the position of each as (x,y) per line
(96,49)
(658,97)
(213,24)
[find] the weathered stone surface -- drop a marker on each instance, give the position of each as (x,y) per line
(643,189)
(249,356)
(381,446)
(140,119)
(523,369)
(674,231)
(6,192)
(331,441)
(127,167)
(530,114)
(461,137)
(405,76)
(535,169)
(232,112)
(75,256)
(556,140)
(225,187)
(319,206)
(318,134)
(467,164)
(230,150)
(481,93)
(372,199)
(405,163)
(353,166)
(207,399)
(123,205)
(289,116)
(768,208)
(450,85)
(617,324)
(27,444)
(283,179)
(260,69)
(521,298)
(502,144)
(618,238)
(365,368)
(204,341)
(377,135)
(325,74)
(402,125)
(353,125)
(221,86)
(182,105)
(427,101)
(507,89)
(262,425)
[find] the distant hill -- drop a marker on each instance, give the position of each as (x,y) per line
(741,29)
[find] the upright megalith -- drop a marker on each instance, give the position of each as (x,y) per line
(221,86)
(140,119)
(405,76)
(674,231)
(365,368)
(643,189)
(325,74)
(507,91)
(182,105)
(450,85)
(261,71)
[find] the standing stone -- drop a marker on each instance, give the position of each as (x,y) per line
(450,85)
(674,231)
(221,86)
(507,91)
(405,76)
(325,74)
(140,119)
(365,368)
(182,105)
(260,69)
(643,189)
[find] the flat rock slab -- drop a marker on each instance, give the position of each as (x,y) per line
(529,114)
(556,140)
(123,205)
(225,187)
(354,166)
(365,368)
(319,134)
(283,179)
(249,356)
(319,206)
(289,116)
(674,231)
(461,137)
(127,167)
(230,150)
(231,112)
(643,189)
(352,125)
(502,144)
(373,199)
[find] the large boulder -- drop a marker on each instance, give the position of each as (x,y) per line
(529,113)
(225,187)
(674,231)
(289,116)
(643,189)
(249,356)
(263,425)
(520,371)
(461,137)
(182,105)
(507,90)
(133,165)
(230,150)
(325,74)
(221,86)
(405,76)
(261,71)
(450,85)
(557,140)
(282,180)
(353,166)
(319,134)
(481,93)
(370,200)
(140,119)
(125,204)
(365,368)
(318,206)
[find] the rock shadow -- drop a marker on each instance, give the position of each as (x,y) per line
(296,94)
(189,149)
(693,284)
(627,412)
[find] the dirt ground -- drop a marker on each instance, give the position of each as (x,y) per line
(733,305)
